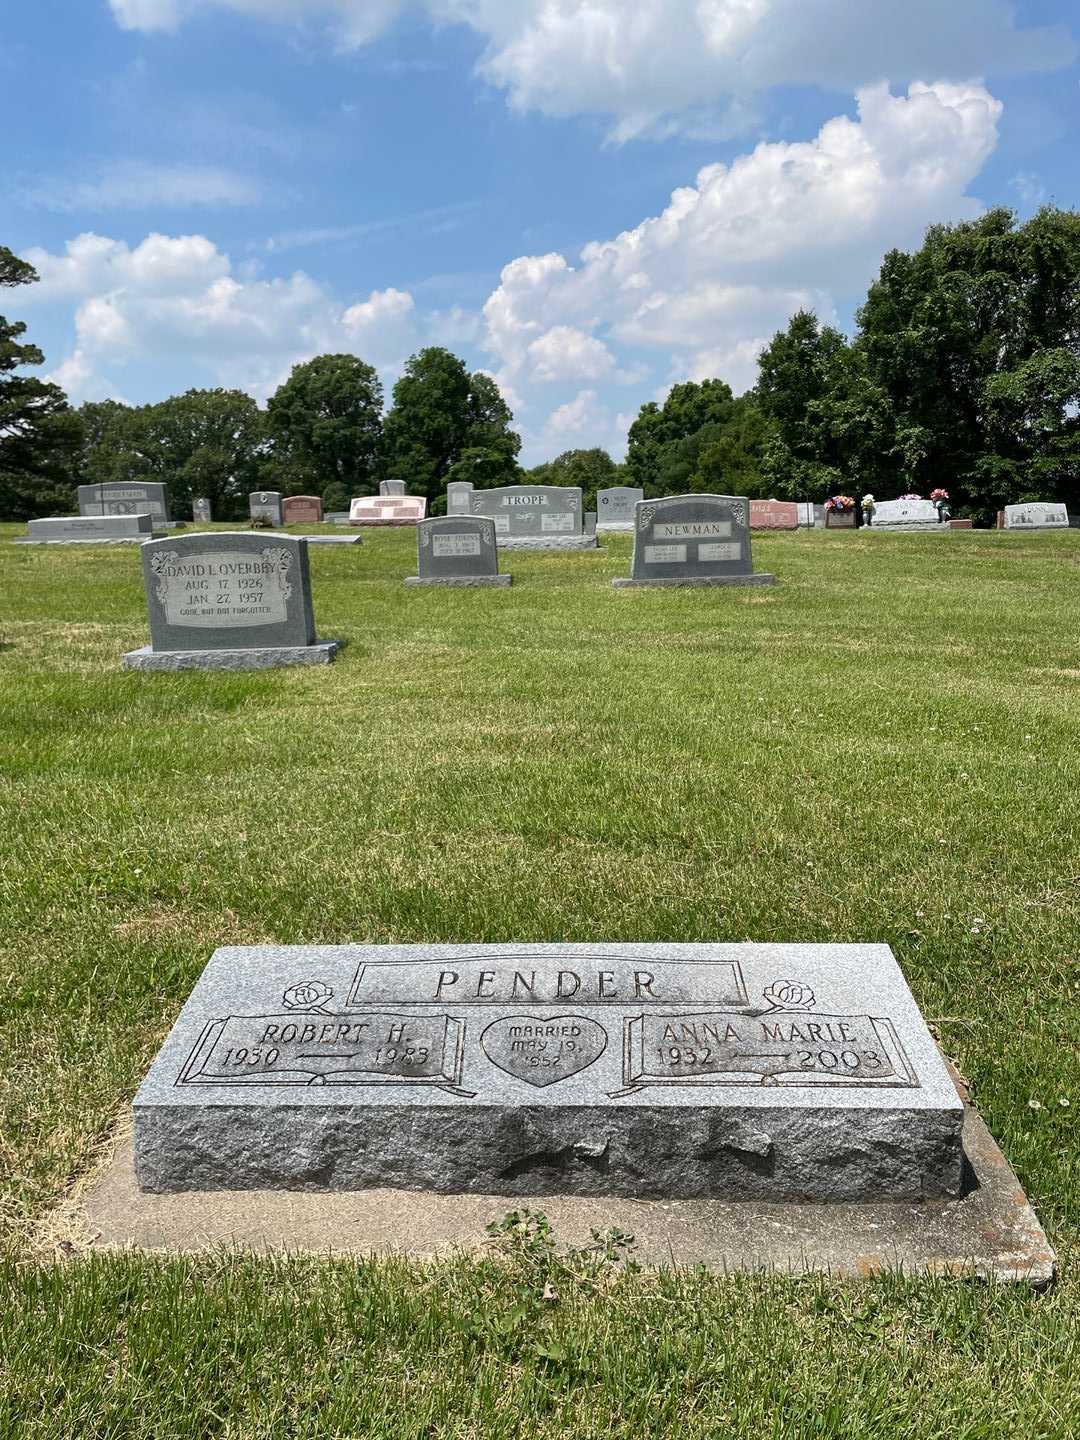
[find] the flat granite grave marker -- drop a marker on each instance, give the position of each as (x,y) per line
(128,497)
(535,517)
(302,510)
(907,515)
(229,601)
(1038,515)
(457,550)
(265,505)
(693,540)
(615,507)
(89,530)
(741,1071)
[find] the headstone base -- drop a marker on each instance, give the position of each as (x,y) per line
(146,658)
(619,529)
(102,540)
(547,542)
(334,539)
(920,527)
(468,581)
(759,578)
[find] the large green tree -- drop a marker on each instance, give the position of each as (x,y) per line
(446,424)
(325,422)
(660,428)
(591,469)
(39,432)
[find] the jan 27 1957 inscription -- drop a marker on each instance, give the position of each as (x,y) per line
(544,1019)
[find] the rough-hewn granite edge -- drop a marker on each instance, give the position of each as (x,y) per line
(463,581)
(761,578)
(804,1153)
(547,542)
(271,657)
(102,540)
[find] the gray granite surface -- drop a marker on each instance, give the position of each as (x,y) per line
(265,505)
(459,497)
(549,542)
(615,507)
(532,512)
(691,539)
(201,512)
(127,497)
(477,582)
(268,658)
(334,539)
(457,547)
(90,527)
(745,1071)
(391,487)
(1039,515)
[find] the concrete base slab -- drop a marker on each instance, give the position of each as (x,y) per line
(759,579)
(467,581)
(104,540)
(622,529)
(548,542)
(321,653)
(990,1232)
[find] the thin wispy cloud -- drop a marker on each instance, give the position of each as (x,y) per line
(144,187)
(440,218)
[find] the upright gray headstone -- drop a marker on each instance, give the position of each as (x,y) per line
(457,550)
(391,487)
(128,497)
(200,511)
(615,507)
(764,1072)
(1039,515)
(693,540)
(89,530)
(265,505)
(459,497)
(535,517)
(228,601)
(589,527)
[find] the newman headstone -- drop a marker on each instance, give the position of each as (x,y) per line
(265,505)
(535,517)
(1036,516)
(201,512)
(459,497)
(89,530)
(391,487)
(615,507)
(302,510)
(228,601)
(745,1071)
(774,515)
(457,550)
(128,497)
(907,515)
(693,540)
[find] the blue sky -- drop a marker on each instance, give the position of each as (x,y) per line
(591,199)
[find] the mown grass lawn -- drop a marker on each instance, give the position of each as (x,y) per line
(883,747)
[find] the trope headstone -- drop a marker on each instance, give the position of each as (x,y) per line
(228,601)
(774,515)
(764,1072)
(1036,516)
(387,510)
(457,550)
(302,510)
(200,511)
(89,530)
(615,507)
(459,497)
(907,515)
(391,487)
(265,505)
(535,517)
(127,497)
(693,540)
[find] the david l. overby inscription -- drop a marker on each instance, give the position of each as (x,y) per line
(740,1070)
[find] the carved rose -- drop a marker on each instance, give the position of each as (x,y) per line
(307,995)
(789,995)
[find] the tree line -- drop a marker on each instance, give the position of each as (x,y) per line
(963,372)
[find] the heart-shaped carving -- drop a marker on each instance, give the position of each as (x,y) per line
(542,1050)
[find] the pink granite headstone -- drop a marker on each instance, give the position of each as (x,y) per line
(774,515)
(388,510)
(302,510)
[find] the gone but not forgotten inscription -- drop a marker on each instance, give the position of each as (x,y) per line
(742,1071)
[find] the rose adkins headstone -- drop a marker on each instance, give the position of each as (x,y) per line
(693,540)
(797,1072)
(1039,515)
(459,497)
(302,510)
(265,505)
(200,512)
(130,497)
(615,507)
(535,517)
(457,550)
(229,601)
(88,530)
